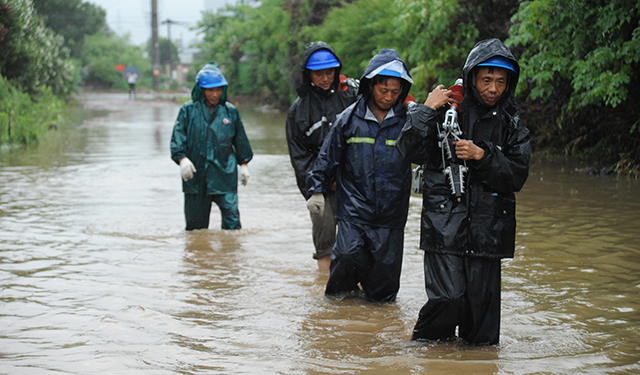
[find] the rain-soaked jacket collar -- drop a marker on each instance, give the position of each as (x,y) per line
(310,48)
(386,59)
(483,51)
(196,92)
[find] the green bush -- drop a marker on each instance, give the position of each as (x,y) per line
(264,41)
(101,55)
(32,55)
(357,45)
(22,120)
(582,60)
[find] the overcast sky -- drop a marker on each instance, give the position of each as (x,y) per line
(134,17)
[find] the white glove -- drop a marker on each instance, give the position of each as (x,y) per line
(315,204)
(187,169)
(244,174)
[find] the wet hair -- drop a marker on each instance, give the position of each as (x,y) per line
(383,79)
(491,69)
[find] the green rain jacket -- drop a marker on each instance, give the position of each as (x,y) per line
(215,143)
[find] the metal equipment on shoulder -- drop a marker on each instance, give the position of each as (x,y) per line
(345,83)
(416,179)
(448,133)
(417,172)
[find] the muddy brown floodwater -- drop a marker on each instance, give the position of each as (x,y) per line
(98,276)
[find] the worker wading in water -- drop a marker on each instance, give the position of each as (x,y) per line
(209,142)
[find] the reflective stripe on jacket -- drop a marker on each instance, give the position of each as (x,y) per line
(372,178)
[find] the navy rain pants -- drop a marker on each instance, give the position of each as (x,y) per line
(371,256)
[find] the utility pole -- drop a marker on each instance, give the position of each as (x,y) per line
(169,22)
(155,46)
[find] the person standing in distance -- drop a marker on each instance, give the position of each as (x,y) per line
(321,98)
(373,184)
(132,78)
(464,240)
(209,142)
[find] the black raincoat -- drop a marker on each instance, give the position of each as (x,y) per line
(372,177)
(312,115)
(464,240)
(483,224)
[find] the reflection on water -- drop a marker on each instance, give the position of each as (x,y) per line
(97,274)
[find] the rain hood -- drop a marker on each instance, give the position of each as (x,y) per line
(310,48)
(196,93)
(390,60)
(483,51)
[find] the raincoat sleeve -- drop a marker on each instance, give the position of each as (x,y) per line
(418,139)
(505,169)
(324,170)
(179,137)
(241,143)
(301,156)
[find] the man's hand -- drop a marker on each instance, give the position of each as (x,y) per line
(315,204)
(244,174)
(187,169)
(467,150)
(439,97)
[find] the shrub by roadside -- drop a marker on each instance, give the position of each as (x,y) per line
(24,120)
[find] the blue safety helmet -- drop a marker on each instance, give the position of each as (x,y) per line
(322,59)
(394,68)
(389,73)
(499,62)
(208,78)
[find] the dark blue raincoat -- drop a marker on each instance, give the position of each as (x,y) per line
(372,178)
(372,191)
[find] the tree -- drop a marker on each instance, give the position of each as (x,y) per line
(442,32)
(254,34)
(166,47)
(264,40)
(583,58)
(31,55)
(358,31)
(72,19)
(103,54)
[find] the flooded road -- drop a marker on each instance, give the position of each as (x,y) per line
(98,276)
